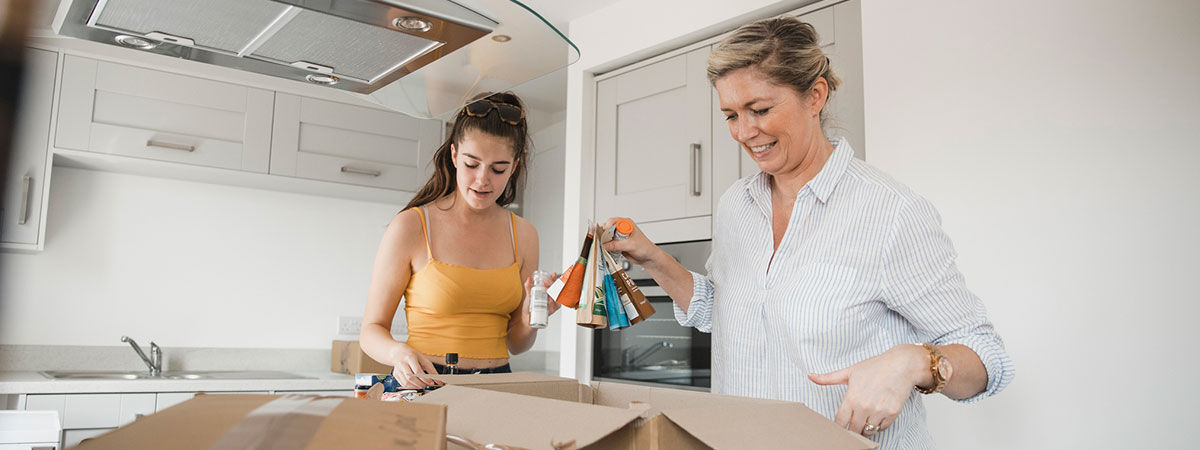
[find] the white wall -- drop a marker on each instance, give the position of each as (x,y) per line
(1059,141)
(542,205)
(189,265)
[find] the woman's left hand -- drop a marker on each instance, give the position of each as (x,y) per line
(552,305)
(876,389)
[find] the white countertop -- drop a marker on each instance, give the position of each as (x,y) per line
(36,383)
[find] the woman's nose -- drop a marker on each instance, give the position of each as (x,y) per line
(743,130)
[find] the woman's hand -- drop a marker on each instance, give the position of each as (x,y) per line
(637,247)
(876,389)
(409,364)
(552,305)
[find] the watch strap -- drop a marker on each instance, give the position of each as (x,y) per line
(935,359)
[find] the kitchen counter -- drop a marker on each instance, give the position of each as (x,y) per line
(29,382)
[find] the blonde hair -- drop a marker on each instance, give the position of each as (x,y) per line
(783,48)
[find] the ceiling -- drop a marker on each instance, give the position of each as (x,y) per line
(548,94)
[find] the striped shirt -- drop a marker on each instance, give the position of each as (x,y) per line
(863,266)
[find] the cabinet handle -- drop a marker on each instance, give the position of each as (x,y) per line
(696,170)
(368,172)
(24,216)
(161,144)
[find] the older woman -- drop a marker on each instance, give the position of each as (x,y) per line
(829,282)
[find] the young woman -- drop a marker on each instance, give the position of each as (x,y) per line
(457,256)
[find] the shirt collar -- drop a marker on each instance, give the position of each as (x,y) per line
(827,179)
(822,185)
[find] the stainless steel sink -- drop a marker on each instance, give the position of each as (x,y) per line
(172,375)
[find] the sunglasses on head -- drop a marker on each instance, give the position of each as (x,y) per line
(510,114)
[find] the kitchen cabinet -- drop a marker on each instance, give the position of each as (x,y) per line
(26,183)
(113,108)
(653,143)
(328,141)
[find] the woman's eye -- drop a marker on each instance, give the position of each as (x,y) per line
(730,117)
(498,171)
(761,111)
(470,166)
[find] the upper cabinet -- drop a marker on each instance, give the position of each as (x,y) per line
(653,144)
(113,108)
(26,180)
(322,140)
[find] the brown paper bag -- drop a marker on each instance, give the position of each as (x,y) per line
(586,315)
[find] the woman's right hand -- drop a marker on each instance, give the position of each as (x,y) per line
(409,364)
(637,247)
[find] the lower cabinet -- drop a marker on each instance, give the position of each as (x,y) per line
(84,416)
(72,438)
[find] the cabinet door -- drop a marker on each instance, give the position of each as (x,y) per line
(91,411)
(322,140)
(71,438)
(131,111)
(653,152)
(25,182)
(164,400)
(134,406)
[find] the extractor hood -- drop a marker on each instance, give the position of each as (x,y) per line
(422,57)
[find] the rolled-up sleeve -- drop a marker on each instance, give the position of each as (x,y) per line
(699,312)
(923,284)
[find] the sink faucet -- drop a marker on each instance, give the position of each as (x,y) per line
(638,358)
(154,362)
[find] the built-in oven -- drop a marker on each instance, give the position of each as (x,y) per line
(658,350)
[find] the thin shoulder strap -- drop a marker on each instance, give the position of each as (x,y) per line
(513,225)
(425,231)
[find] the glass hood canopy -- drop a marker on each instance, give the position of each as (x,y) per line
(425,58)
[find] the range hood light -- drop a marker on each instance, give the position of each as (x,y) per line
(501,38)
(412,24)
(322,79)
(135,42)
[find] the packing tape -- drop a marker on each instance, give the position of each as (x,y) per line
(287,422)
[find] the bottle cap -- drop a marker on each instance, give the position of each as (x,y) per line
(451,359)
(625,227)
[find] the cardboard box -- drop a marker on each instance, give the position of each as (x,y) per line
(539,411)
(348,357)
(244,421)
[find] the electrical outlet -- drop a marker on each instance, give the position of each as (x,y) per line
(349,325)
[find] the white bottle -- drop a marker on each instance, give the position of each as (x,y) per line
(539,300)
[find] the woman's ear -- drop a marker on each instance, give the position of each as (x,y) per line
(453,155)
(818,95)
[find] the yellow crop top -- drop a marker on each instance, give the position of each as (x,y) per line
(456,309)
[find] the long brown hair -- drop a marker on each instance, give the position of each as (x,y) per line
(444,179)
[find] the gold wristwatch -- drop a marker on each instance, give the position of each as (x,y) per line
(939,367)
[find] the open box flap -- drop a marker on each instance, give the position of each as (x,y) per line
(501,418)
(248,421)
(765,425)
